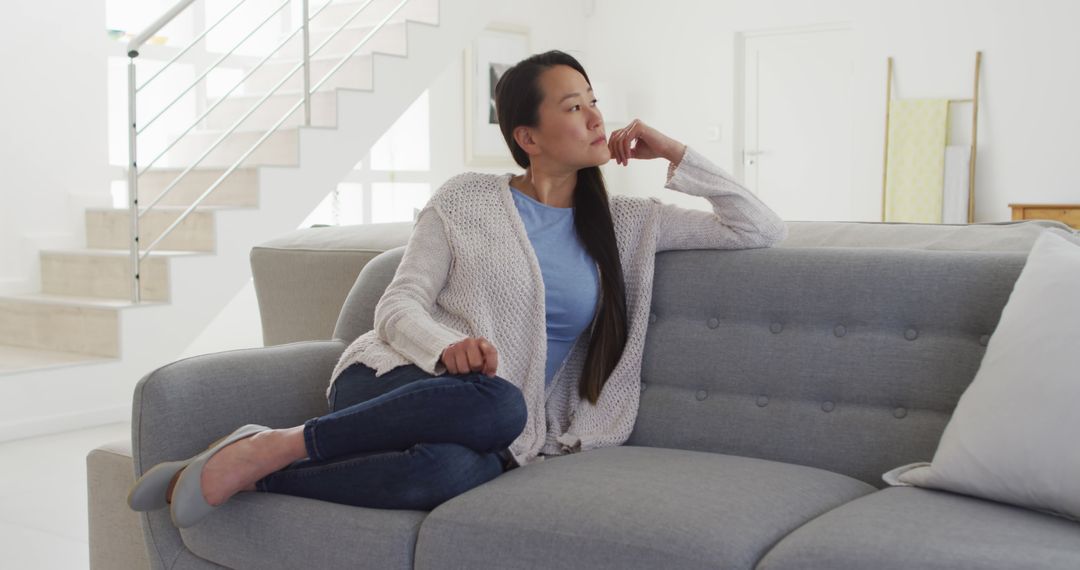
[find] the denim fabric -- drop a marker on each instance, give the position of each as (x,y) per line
(405,440)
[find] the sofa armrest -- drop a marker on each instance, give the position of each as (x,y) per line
(115,536)
(179,408)
(301,278)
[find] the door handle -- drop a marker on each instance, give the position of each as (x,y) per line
(750,154)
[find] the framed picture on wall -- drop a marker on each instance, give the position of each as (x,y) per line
(487,57)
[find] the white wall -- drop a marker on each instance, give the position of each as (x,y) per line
(679,68)
(238,325)
(54,147)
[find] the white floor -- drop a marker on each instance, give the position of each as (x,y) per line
(43,515)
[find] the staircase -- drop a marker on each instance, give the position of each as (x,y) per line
(71,353)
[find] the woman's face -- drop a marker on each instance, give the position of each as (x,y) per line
(570,121)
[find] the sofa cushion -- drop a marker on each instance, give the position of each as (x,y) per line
(270,530)
(910,527)
(630,507)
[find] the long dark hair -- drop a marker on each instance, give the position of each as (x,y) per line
(517,103)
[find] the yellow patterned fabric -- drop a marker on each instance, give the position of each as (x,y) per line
(914,177)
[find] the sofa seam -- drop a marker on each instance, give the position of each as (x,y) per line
(179,551)
(805,523)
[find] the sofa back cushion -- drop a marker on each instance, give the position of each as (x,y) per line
(358,311)
(847,359)
(1016,235)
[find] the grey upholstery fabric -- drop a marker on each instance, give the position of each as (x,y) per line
(907,527)
(358,237)
(182,407)
(991,236)
(808,370)
(302,278)
(266,531)
(847,359)
(630,507)
(358,311)
(115,538)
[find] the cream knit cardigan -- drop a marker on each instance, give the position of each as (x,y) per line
(469,269)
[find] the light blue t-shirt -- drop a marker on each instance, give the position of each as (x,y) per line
(571,280)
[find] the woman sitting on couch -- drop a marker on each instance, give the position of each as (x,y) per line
(540,277)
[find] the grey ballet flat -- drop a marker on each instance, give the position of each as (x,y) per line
(188,505)
(149,492)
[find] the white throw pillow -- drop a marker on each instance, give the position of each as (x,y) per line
(1015,434)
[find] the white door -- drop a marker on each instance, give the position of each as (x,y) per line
(797,122)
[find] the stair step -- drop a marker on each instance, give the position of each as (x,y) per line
(323,111)
(392,38)
(240,189)
(77,301)
(281,148)
(16,359)
(122,253)
(424,11)
(61,324)
(356,73)
(105,273)
(109,228)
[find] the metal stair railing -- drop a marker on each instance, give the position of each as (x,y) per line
(134,130)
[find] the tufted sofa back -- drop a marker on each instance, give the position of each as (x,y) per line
(846,359)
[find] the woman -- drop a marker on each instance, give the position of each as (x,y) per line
(539,276)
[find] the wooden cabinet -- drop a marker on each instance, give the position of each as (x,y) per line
(1068,213)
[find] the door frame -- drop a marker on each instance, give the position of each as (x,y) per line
(738,132)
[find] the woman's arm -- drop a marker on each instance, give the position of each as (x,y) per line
(403,314)
(739,219)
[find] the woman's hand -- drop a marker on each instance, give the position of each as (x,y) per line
(471,355)
(651,143)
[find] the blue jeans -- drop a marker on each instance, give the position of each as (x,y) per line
(405,440)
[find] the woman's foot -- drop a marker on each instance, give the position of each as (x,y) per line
(237,466)
(172,484)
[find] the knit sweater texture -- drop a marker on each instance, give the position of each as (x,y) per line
(469,270)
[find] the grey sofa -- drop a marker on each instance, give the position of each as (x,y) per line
(777,386)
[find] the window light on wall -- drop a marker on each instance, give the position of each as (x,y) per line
(407,145)
(373,193)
